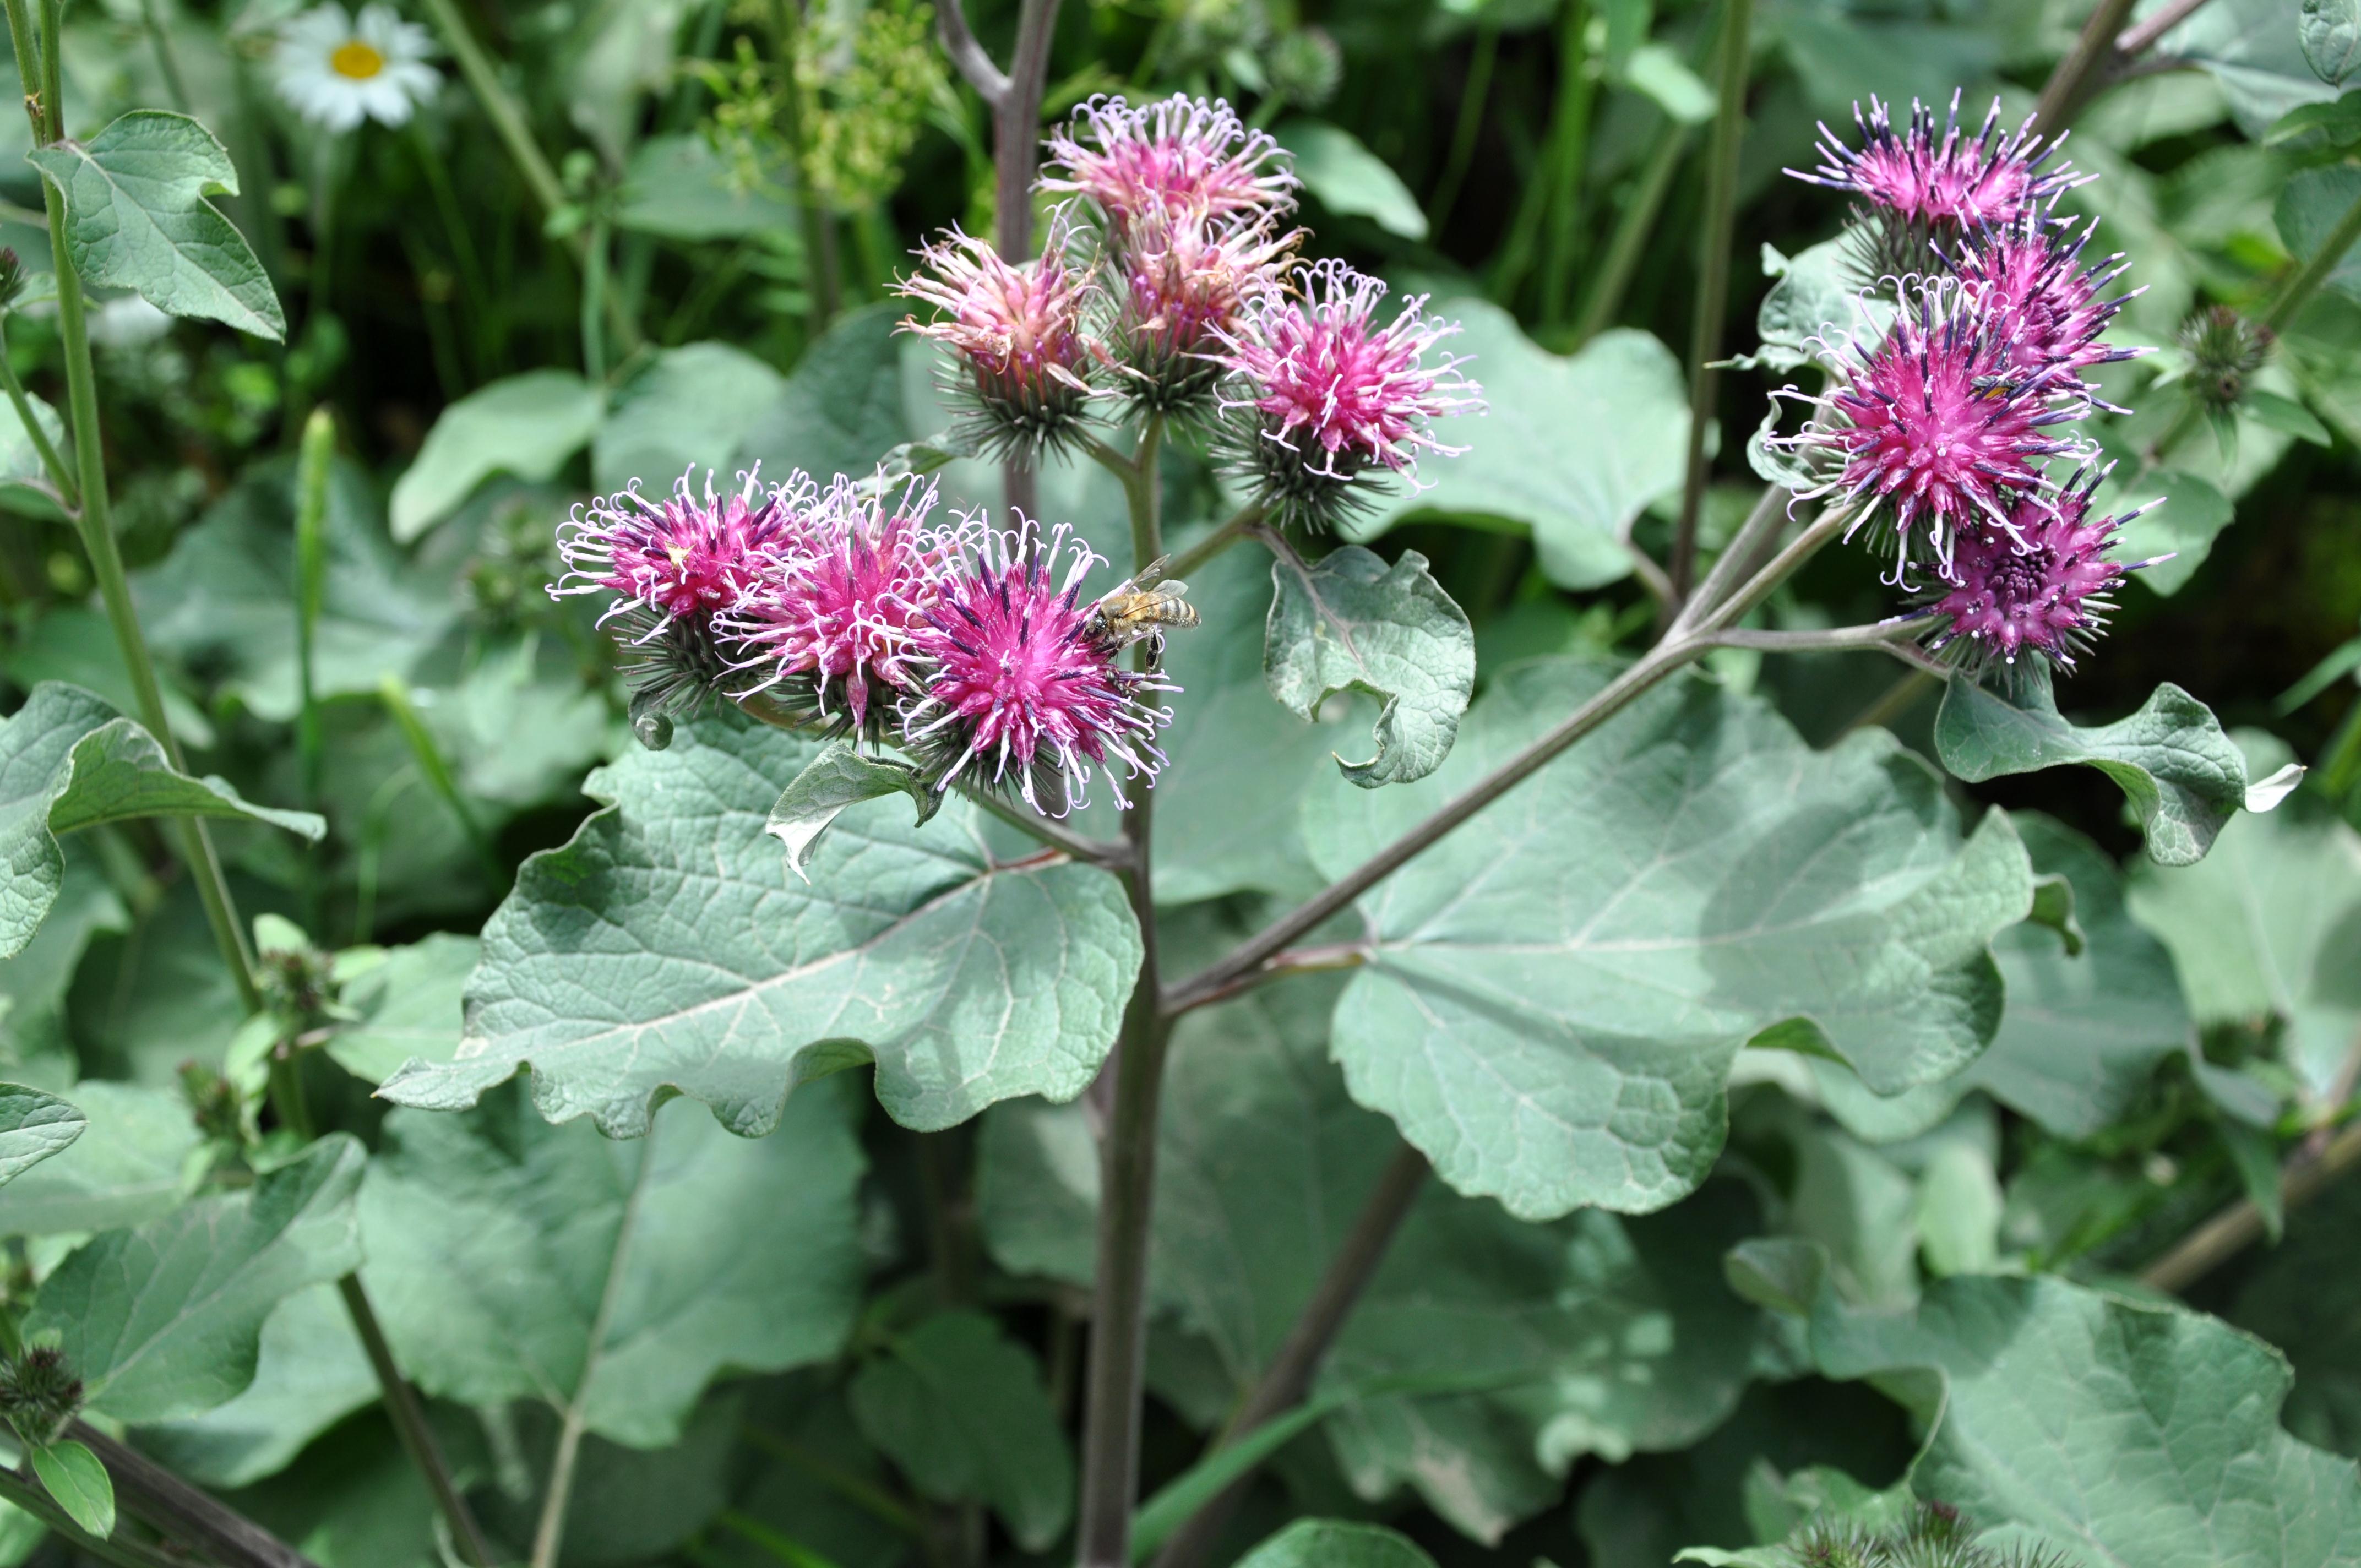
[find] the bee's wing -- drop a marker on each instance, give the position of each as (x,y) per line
(1153,573)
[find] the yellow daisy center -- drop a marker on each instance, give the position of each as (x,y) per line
(356,61)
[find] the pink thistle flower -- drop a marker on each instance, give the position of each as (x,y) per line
(683,555)
(2041,585)
(833,622)
(1187,285)
(1015,335)
(1023,680)
(1332,394)
(1181,155)
(1935,428)
(1985,179)
(2031,272)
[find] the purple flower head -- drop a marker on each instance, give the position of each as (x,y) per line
(1015,335)
(1959,182)
(2039,584)
(1181,155)
(1187,284)
(1022,686)
(1330,393)
(830,626)
(2031,271)
(1935,428)
(686,555)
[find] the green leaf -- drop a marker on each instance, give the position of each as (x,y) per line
(2178,771)
(2185,513)
(1349,180)
(2286,414)
(511,1259)
(2254,49)
(77,1483)
(1571,448)
(1555,992)
(2083,1033)
(68,762)
(128,1168)
(1816,302)
(2269,925)
(2123,1431)
(527,425)
(25,485)
(33,1126)
(33,983)
(310,1374)
(1591,1335)
(2312,127)
(688,409)
(629,1506)
(1658,72)
(137,217)
(2330,33)
(665,949)
(1337,1543)
(409,1007)
(166,1320)
(2313,203)
(842,409)
(1959,1211)
(2304,1297)
(838,778)
(678,187)
(960,1408)
(1353,623)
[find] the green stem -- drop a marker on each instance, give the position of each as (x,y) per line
(310,579)
(51,463)
(1633,227)
(106,562)
(2298,291)
(1214,543)
(29,72)
(1713,278)
(1565,201)
(436,771)
(118,1549)
(1559,169)
(500,107)
(166,66)
(1472,102)
(819,257)
(2071,83)
(594,301)
(1115,1382)
(473,286)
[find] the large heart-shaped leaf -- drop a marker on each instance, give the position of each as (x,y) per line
(1593,1334)
(1573,448)
(2126,1432)
(310,1374)
(166,1320)
(527,425)
(137,217)
(511,1259)
(667,949)
(2175,765)
(68,762)
(1553,994)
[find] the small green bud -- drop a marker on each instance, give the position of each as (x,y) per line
(12,276)
(212,1102)
(2225,349)
(39,1394)
(1305,67)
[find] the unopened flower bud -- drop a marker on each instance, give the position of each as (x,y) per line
(1014,334)
(39,1394)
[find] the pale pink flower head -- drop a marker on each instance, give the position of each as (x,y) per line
(1180,155)
(1950,179)
(690,554)
(1015,335)
(2041,585)
(2031,272)
(1185,288)
(829,629)
(1331,395)
(1024,687)
(1934,430)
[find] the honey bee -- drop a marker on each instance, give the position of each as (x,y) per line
(1139,610)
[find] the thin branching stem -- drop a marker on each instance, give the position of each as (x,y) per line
(1713,278)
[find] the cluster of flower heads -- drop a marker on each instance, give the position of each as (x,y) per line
(850,608)
(1949,408)
(1168,285)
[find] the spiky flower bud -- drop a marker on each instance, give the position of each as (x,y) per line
(1306,67)
(1329,398)
(1186,286)
(12,276)
(1935,426)
(1180,154)
(39,1395)
(2225,351)
(298,985)
(1015,339)
(212,1102)
(829,631)
(1023,684)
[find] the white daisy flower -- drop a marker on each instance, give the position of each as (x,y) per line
(336,70)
